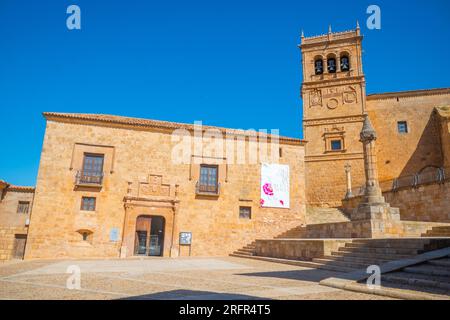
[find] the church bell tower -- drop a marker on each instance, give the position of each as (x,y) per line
(334,102)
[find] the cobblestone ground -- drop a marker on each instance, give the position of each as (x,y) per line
(162,278)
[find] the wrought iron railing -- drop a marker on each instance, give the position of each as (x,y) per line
(427,176)
(203,189)
(93,178)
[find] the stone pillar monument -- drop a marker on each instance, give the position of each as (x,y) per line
(373,205)
(348,174)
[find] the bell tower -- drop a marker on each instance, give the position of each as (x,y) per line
(334,102)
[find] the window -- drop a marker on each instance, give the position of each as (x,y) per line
(318,66)
(336,145)
(23,207)
(88,203)
(86,235)
(332,65)
(345,63)
(209,179)
(402,127)
(93,163)
(245,212)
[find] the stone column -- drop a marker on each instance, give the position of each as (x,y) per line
(348,169)
(372,194)
(373,205)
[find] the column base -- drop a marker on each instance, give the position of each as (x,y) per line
(375,211)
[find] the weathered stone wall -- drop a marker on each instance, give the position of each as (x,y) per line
(430,202)
(132,154)
(406,154)
(12,223)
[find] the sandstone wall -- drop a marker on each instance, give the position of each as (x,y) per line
(131,156)
(12,223)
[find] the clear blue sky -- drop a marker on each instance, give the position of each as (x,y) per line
(228,63)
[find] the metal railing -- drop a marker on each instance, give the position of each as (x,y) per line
(203,189)
(427,176)
(89,178)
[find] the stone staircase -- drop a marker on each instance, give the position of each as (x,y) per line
(314,216)
(248,251)
(361,253)
(431,277)
(438,232)
(358,254)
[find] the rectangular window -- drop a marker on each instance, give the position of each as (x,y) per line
(88,203)
(93,163)
(336,145)
(23,207)
(209,178)
(402,127)
(245,212)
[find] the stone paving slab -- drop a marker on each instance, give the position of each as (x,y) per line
(222,278)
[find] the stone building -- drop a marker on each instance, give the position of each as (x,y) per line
(413,133)
(15,210)
(108,187)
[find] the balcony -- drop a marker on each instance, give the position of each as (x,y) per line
(207,190)
(89,179)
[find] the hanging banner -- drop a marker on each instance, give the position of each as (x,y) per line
(274,186)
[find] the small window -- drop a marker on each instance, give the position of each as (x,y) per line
(345,63)
(336,145)
(86,235)
(245,212)
(280,152)
(402,127)
(318,66)
(23,207)
(88,203)
(332,65)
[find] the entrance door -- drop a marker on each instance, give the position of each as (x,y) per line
(149,236)
(19,246)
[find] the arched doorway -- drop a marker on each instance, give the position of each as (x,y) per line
(149,240)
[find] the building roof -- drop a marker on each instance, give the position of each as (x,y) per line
(10,187)
(112,120)
(443,111)
(410,93)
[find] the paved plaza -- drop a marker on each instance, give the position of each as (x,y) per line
(221,278)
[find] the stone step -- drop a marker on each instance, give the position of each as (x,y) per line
(307,264)
(247,253)
(389,257)
(441,262)
(388,244)
(406,279)
(387,251)
(428,269)
(247,250)
(366,259)
(345,264)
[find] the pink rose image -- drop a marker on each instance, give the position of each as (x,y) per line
(267,188)
(261,202)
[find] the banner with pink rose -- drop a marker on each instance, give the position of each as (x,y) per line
(274,186)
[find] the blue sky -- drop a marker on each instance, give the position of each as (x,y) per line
(228,63)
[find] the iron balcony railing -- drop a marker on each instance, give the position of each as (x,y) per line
(89,178)
(203,189)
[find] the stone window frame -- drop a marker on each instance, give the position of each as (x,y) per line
(246,217)
(405,123)
(88,207)
(23,207)
(334,136)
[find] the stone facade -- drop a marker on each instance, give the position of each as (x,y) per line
(140,179)
(334,104)
(15,210)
